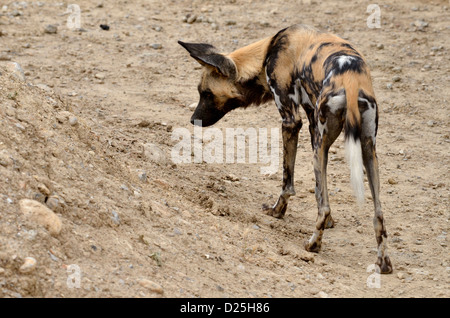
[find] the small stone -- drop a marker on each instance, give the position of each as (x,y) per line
(232,177)
(28,266)
(401,275)
(430,123)
(51,29)
(62,116)
(43,189)
(389,85)
(20,126)
(392,181)
(54,203)
(100,76)
(420,24)
(191,18)
(151,286)
(16,13)
(42,215)
(177,231)
(115,217)
(322,294)
(220,288)
(143,176)
(156,46)
(2,271)
(15,70)
(380,46)
(44,87)
(73,121)
(396,78)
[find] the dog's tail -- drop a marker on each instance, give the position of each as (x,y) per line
(353,128)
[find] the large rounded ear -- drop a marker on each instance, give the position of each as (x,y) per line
(207,55)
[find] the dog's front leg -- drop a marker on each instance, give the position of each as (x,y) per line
(290,130)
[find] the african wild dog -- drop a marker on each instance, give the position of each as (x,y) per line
(330,79)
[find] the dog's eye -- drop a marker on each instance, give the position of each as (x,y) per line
(206,94)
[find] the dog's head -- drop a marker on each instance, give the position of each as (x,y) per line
(218,88)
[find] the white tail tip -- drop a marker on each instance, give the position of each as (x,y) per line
(354,158)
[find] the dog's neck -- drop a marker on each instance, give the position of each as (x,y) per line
(249,61)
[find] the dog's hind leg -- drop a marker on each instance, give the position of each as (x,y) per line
(328,125)
(369,124)
(290,130)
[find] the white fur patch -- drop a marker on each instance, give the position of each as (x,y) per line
(354,158)
(305,97)
(336,102)
(296,96)
(275,96)
(369,117)
(328,77)
(344,59)
(321,127)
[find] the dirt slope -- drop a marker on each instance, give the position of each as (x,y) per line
(89,134)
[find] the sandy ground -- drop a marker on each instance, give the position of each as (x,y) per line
(89,134)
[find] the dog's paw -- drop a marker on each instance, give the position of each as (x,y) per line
(385,265)
(313,247)
(273,212)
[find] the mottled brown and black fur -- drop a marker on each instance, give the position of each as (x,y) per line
(302,68)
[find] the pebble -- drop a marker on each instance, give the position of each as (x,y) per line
(15,70)
(420,24)
(2,271)
(380,46)
(115,217)
(73,121)
(43,189)
(42,215)
(151,286)
(322,294)
(100,76)
(156,46)
(396,78)
(430,123)
(20,126)
(28,266)
(191,18)
(62,116)
(392,181)
(44,87)
(143,176)
(51,29)
(54,203)
(192,106)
